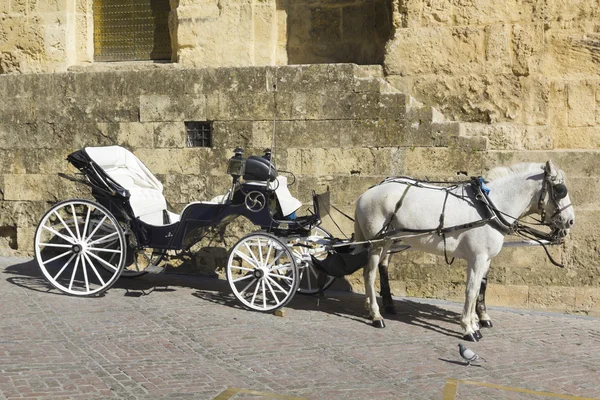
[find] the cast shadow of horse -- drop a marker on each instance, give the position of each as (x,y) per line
(343,304)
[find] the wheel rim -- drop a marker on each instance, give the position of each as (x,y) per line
(262,272)
(79,247)
(303,248)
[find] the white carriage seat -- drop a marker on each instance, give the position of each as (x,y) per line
(147,200)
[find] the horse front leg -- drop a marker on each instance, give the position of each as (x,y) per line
(384,282)
(476,269)
(369,275)
(484,319)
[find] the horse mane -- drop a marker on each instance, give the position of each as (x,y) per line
(502,172)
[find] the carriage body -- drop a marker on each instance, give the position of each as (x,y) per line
(84,246)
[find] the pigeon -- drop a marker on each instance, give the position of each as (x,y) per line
(468,354)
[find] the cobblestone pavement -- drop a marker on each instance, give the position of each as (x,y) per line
(170,336)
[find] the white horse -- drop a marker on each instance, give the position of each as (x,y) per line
(423,217)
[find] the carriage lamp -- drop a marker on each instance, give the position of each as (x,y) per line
(267,155)
(237,164)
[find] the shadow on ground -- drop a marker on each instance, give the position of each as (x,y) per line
(342,304)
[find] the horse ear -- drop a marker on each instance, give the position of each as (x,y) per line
(551,168)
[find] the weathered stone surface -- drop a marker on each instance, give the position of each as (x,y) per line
(507,295)
(457,51)
(472,98)
(505,136)
(166,134)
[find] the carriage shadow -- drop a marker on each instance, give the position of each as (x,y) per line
(339,303)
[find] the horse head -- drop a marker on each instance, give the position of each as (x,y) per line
(554,203)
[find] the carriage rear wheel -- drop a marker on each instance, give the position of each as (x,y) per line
(302,249)
(262,272)
(80,247)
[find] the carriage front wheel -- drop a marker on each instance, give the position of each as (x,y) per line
(262,272)
(80,247)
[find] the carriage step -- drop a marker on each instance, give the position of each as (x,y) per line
(154,269)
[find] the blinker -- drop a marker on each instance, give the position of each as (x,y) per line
(559,191)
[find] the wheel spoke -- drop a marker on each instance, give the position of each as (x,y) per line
(94,269)
(264,294)
(104,250)
(103,239)
(256,262)
(248,285)
(278,286)
(281,277)
(254,295)
(308,278)
(64,266)
(271,290)
(103,262)
(85,277)
(57,257)
(269,251)
(243,278)
(260,254)
(275,260)
(74,271)
(246,258)
(85,225)
(96,228)
(242,268)
(65,225)
(75,221)
(280,266)
(60,235)
(312,270)
(67,246)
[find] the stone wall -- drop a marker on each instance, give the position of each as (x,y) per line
(340,126)
(44,35)
(527,66)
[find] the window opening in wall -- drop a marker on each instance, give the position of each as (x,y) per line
(131,30)
(199,133)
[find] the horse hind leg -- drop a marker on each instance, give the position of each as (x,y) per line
(484,319)
(386,293)
(369,274)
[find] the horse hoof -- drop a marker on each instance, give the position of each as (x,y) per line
(470,338)
(486,323)
(390,310)
(478,334)
(378,323)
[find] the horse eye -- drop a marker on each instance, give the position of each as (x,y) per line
(560,191)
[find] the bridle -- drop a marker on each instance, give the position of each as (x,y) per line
(555,192)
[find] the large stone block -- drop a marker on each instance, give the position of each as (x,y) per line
(581,101)
(552,297)
(443,162)
(231,134)
(472,97)
(507,295)
(527,42)
(163,108)
(438,50)
(575,163)
(360,161)
(507,136)
(21,213)
(171,161)
(498,48)
(165,134)
(40,187)
(584,137)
